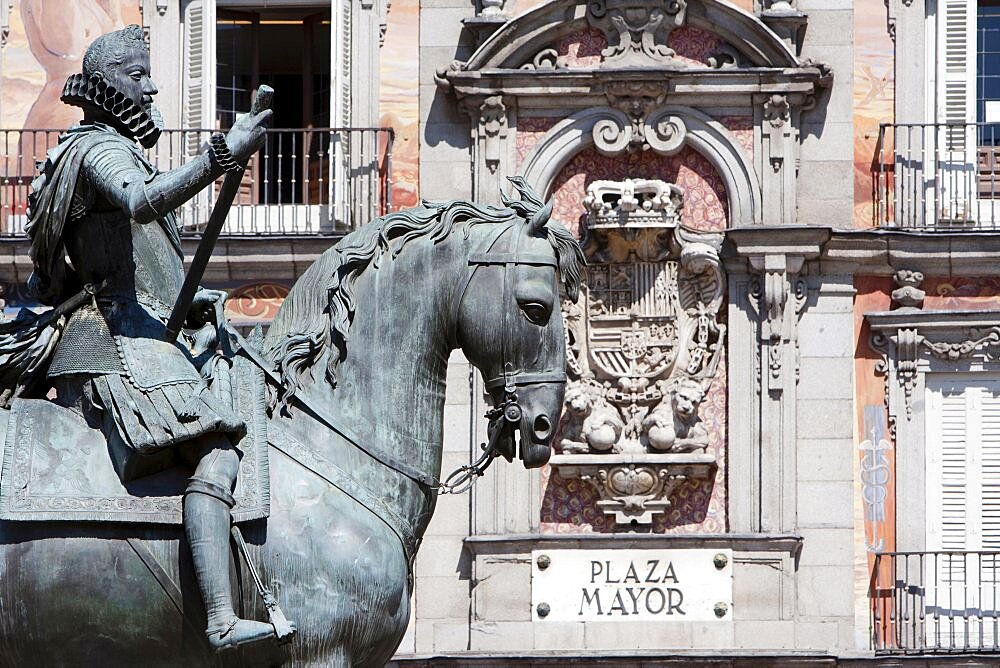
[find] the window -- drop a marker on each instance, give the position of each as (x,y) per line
(963,505)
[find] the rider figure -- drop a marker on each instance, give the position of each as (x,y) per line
(102,215)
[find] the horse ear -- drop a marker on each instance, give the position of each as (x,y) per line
(537,223)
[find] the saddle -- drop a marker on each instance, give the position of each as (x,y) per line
(55,467)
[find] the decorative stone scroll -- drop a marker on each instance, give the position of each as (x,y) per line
(637,30)
(644,342)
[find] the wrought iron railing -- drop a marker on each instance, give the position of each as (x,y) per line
(305,181)
(937,176)
(937,602)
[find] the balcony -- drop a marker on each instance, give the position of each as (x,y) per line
(935,602)
(937,177)
(304,182)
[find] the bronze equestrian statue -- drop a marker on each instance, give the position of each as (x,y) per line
(350,437)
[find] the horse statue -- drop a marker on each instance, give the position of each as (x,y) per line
(356,359)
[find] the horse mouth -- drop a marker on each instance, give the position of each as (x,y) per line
(535,441)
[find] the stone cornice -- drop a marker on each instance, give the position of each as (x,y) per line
(883,252)
(872,252)
(521,543)
(928,321)
(575,87)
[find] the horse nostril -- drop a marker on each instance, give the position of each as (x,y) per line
(542,426)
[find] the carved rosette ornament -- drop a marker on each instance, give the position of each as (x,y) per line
(644,342)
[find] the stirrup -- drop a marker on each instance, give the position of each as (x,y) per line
(284,629)
(225,639)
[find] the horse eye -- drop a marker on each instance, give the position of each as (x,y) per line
(536,312)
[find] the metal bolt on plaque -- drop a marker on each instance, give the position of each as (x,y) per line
(720,561)
(721,609)
(543,561)
(543,609)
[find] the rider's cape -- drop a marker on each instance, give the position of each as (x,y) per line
(27,341)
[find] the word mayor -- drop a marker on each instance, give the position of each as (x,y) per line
(638,587)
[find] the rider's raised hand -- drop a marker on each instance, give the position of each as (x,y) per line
(246,137)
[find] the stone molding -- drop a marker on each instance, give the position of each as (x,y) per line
(243,259)
(788,543)
(520,39)
(909,339)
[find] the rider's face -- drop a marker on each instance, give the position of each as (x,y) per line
(132,78)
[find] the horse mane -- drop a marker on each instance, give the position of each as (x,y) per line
(319,310)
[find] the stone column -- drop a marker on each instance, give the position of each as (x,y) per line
(764,428)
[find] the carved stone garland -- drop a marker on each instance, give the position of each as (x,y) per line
(643,342)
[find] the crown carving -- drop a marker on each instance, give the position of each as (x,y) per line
(633,203)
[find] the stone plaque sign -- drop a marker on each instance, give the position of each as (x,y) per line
(632,585)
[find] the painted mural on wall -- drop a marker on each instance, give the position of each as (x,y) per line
(399,103)
(874,92)
(46,45)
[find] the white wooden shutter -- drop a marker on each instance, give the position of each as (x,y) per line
(955,147)
(199,65)
(963,506)
(198,104)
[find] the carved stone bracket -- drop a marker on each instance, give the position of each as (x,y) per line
(908,294)
(492,151)
(780,297)
(634,488)
(493,129)
(637,30)
(777,112)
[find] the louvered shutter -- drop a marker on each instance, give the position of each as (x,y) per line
(198,104)
(199,65)
(956,149)
(963,507)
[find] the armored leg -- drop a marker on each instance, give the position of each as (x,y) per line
(208,501)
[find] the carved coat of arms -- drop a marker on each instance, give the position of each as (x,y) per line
(644,339)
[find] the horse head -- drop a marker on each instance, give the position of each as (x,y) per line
(509,324)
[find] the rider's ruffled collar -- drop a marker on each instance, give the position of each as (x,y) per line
(96,93)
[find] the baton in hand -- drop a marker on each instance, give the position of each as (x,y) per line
(230,186)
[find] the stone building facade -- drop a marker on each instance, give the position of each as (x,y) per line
(782,370)
(789,224)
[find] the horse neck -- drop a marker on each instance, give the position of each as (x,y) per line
(391,386)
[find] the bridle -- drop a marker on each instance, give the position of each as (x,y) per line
(505,416)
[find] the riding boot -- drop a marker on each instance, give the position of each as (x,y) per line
(206,522)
